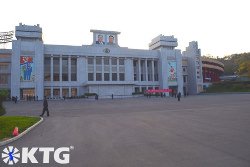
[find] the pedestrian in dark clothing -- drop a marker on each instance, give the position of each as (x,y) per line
(45,107)
(15,99)
(112,96)
(179,96)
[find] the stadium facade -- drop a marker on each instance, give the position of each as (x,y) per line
(32,68)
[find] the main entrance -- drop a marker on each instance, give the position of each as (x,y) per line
(27,93)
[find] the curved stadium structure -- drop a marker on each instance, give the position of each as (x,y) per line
(211,70)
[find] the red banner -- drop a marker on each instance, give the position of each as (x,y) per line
(158,90)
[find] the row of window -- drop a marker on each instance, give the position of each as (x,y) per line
(69,69)
(106,77)
(143,68)
(56,92)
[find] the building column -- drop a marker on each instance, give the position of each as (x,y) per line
(110,69)
(117,69)
(69,68)
(60,69)
(153,70)
(146,68)
(94,68)
(102,68)
(139,69)
(69,91)
(51,75)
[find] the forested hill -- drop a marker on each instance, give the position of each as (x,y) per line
(236,64)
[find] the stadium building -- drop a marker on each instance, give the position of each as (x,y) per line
(32,68)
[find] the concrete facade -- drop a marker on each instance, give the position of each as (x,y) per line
(105,68)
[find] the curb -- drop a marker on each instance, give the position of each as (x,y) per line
(22,134)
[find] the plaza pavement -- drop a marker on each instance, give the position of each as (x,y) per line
(198,131)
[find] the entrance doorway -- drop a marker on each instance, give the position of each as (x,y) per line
(27,93)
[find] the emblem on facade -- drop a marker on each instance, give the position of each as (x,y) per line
(106,50)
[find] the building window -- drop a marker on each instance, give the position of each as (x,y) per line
(184,79)
(106,76)
(98,76)
(122,76)
(98,61)
(73,69)
(91,61)
(156,70)
(47,92)
(106,61)
(65,73)
(114,76)
(56,92)
(73,92)
(121,61)
(56,68)
(137,89)
(90,76)
(136,70)
(143,89)
(65,92)
(4,79)
(114,61)
(47,68)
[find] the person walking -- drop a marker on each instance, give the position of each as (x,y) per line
(45,107)
(179,96)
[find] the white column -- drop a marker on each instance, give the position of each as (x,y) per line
(102,68)
(94,68)
(146,68)
(69,68)
(139,67)
(153,70)
(110,69)
(60,67)
(51,75)
(60,76)
(117,69)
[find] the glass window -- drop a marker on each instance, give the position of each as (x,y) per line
(73,69)
(65,92)
(56,92)
(114,76)
(65,69)
(106,76)
(73,91)
(98,61)
(47,92)
(47,68)
(98,76)
(106,61)
(114,61)
(56,68)
(91,60)
(90,76)
(137,89)
(121,61)
(4,79)
(122,76)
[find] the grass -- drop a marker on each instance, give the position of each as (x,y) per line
(229,87)
(8,123)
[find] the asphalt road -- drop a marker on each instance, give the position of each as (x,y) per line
(198,131)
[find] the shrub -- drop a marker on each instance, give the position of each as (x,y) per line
(89,94)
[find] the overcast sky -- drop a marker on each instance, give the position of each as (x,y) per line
(220,27)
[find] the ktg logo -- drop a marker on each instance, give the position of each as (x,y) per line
(11,155)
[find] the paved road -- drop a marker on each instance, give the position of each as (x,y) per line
(199,131)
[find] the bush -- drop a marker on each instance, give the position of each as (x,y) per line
(2,110)
(89,94)
(3,96)
(137,93)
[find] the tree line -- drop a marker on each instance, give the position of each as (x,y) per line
(236,64)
